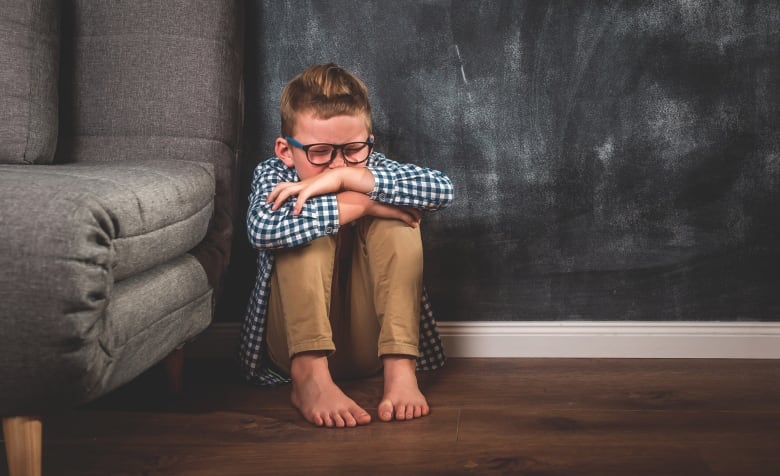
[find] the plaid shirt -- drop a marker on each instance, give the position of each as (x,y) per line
(394,183)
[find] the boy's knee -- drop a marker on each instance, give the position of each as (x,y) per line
(396,235)
(310,263)
(390,224)
(321,249)
(394,248)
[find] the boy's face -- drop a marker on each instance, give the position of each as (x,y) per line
(310,129)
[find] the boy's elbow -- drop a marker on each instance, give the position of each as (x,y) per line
(258,233)
(258,240)
(447,195)
(261,242)
(444,202)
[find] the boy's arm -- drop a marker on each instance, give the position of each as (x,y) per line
(385,181)
(355,179)
(355,205)
(409,185)
(269,228)
(385,189)
(351,186)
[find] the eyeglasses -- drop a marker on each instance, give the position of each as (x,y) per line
(322,154)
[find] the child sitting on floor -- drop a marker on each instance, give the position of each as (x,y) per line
(339,290)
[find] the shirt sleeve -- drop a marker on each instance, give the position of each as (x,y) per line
(409,185)
(268,229)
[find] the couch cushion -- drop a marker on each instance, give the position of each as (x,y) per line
(120,218)
(176,299)
(95,280)
(29,69)
(55,363)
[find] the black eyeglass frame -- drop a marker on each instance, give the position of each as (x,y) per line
(369,142)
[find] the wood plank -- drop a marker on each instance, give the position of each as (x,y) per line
(494,440)
(550,383)
(489,416)
(108,428)
(608,383)
(684,427)
(326,458)
(400,458)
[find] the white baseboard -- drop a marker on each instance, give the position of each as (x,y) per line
(747,340)
(566,339)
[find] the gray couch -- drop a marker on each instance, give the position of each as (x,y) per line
(119,132)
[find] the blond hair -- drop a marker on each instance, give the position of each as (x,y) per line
(326,90)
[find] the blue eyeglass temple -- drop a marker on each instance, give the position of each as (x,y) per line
(294,142)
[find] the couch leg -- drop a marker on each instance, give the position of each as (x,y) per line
(174,371)
(23,437)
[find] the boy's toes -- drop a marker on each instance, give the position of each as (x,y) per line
(317,420)
(349,421)
(363,418)
(338,421)
(400,412)
(385,410)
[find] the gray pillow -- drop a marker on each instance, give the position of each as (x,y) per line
(29,70)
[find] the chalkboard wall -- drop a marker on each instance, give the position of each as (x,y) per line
(612,160)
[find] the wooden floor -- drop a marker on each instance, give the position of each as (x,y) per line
(489,416)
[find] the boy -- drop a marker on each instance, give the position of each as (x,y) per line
(339,287)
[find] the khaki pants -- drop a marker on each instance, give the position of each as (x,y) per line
(355,296)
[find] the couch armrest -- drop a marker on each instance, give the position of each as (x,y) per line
(73,240)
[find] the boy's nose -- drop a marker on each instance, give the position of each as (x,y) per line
(338,161)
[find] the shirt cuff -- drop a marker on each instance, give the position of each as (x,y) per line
(384,185)
(329,214)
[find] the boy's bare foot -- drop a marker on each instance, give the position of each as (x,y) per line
(403,399)
(318,398)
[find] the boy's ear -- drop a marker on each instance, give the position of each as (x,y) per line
(284,151)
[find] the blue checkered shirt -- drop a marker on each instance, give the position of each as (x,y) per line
(394,183)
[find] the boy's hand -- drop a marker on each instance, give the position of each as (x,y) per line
(357,179)
(410,216)
(357,205)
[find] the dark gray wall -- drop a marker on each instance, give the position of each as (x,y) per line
(612,161)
